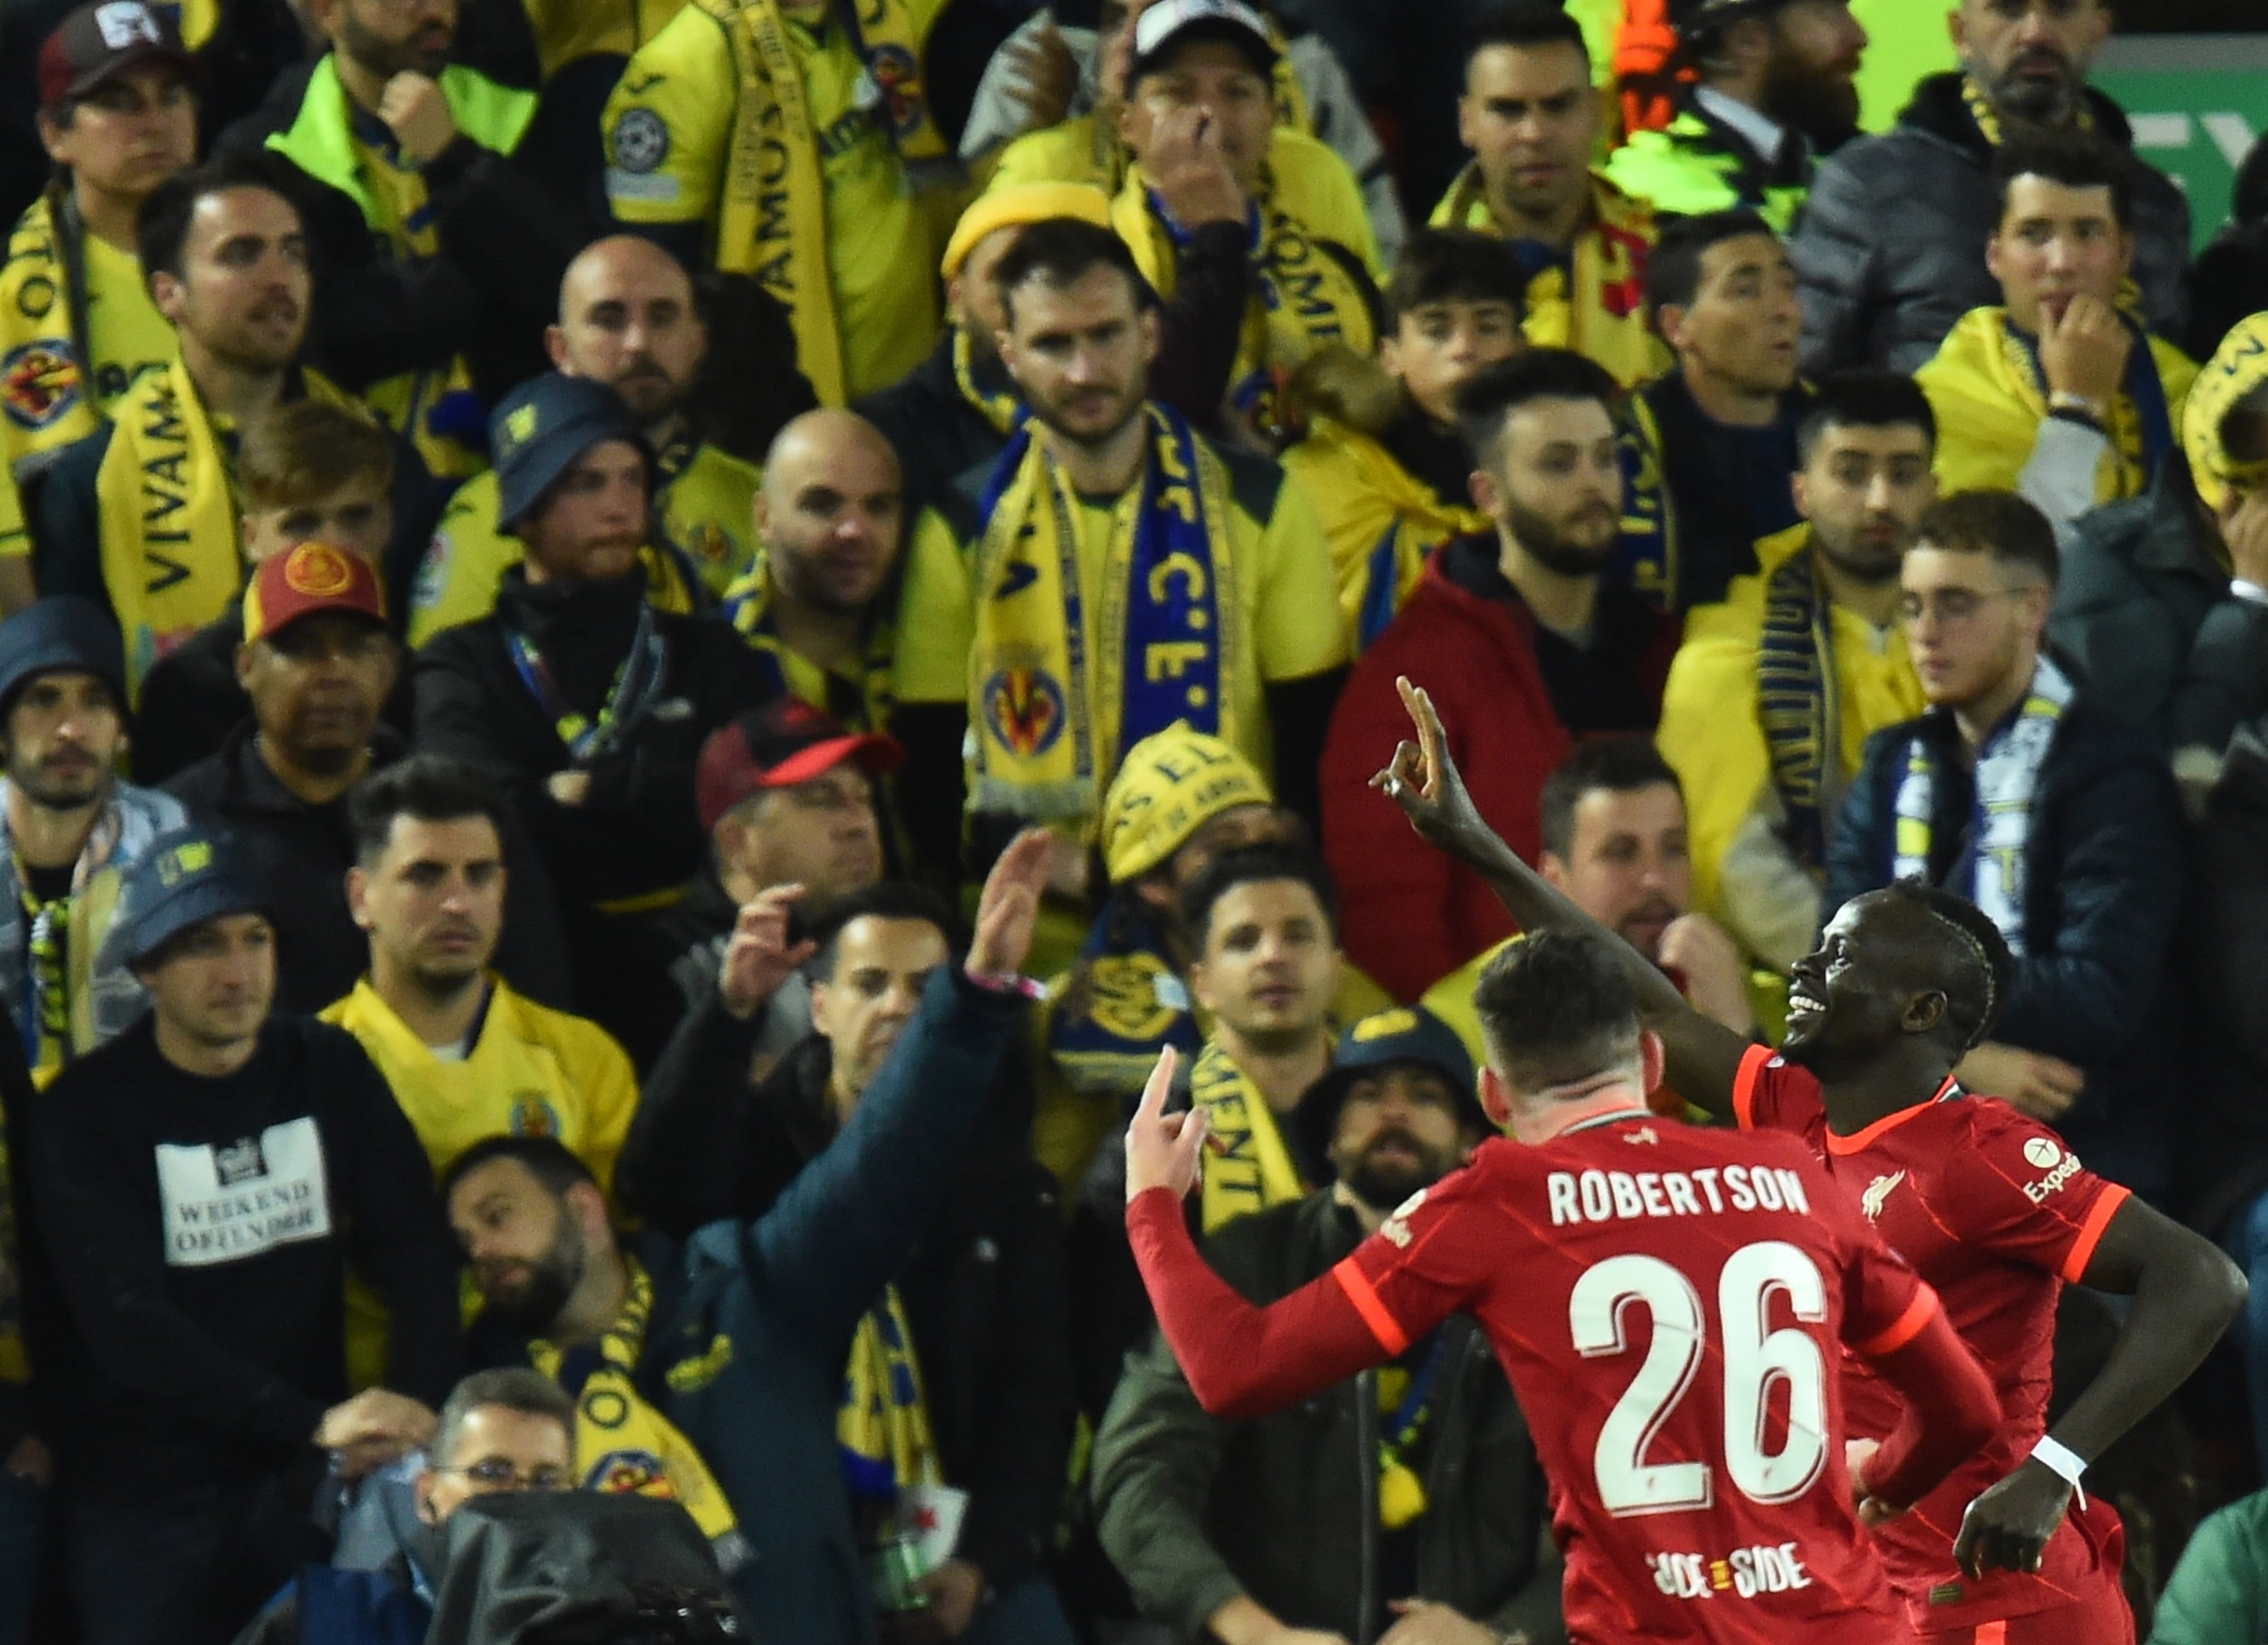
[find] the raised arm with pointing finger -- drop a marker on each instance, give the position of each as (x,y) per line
(1702,1056)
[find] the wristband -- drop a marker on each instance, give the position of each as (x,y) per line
(2065,1462)
(1007,983)
(2245,588)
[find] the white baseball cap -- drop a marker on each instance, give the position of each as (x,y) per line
(1159,26)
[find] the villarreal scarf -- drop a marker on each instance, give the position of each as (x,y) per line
(2000,826)
(1247,1166)
(622,1443)
(1795,701)
(166,505)
(1065,673)
(1124,1001)
(881,1429)
(773,221)
(1306,297)
(1592,301)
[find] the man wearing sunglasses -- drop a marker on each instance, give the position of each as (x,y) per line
(500,1430)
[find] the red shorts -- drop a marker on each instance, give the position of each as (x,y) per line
(2105,1620)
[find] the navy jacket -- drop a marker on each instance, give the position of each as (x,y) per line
(2102,879)
(753,1320)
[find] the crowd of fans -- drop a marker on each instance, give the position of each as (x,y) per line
(588,593)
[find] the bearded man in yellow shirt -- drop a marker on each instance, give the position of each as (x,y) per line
(1775,691)
(78,327)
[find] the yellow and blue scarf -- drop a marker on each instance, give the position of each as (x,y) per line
(2008,768)
(1645,554)
(2141,428)
(1124,1002)
(1795,702)
(622,1444)
(1064,675)
(772,223)
(881,1429)
(1247,1166)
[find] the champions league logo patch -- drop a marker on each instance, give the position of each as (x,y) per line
(640,142)
(38,383)
(1024,709)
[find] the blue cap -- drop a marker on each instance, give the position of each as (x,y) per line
(186,877)
(1400,1034)
(541,427)
(62,634)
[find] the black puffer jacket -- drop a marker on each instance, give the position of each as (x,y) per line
(1891,247)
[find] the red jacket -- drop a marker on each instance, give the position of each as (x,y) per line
(1412,916)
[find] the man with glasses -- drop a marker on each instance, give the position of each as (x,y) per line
(509,1429)
(2014,790)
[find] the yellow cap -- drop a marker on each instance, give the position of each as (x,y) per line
(1168,786)
(1015,204)
(2238,366)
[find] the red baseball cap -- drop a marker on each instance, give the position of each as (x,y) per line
(785,743)
(306,581)
(97,43)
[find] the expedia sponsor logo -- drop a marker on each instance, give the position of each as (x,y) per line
(1764,1568)
(2064,1170)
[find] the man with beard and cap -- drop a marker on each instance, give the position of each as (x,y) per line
(1989,1206)
(1413,1491)
(72,830)
(441,239)
(2163,600)
(587,699)
(628,319)
(1772,90)
(1891,243)
(1530,644)
(743,1333)
(1775,692)
(118,116)
(141,516)
(819,605)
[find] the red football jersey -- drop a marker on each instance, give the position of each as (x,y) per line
(1670,1305)
(1997,1214)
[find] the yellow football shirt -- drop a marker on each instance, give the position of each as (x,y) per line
(124,331)
(679,102)
(532,1072)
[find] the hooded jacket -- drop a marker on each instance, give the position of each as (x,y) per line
(1890,248)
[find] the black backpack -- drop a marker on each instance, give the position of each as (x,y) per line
(579,1567)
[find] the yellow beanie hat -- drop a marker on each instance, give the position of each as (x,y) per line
(2238,366)
(1168,786)
(1015,204)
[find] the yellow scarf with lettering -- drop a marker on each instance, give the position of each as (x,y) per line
(882,1426)
(1247,1166)
(1603,316)
(1065,673)
(1306,299)
(773,220)
(166,499)
(622,1444)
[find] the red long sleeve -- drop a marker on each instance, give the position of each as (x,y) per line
(1242,1362)
(1951,1410)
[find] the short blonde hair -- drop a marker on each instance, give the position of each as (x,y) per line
(298,453)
